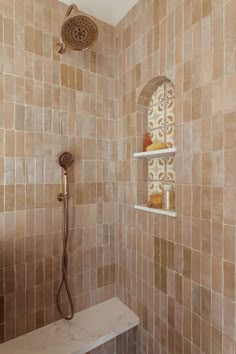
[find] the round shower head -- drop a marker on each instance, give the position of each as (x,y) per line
(78,32)
(65,159)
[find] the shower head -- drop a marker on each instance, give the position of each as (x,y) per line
(79,32)
(65,159)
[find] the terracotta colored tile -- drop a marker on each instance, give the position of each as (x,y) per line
(217,213)
(187,263)
(205,336)
(217,318)
(206,168)
(229,209)
(196,11)
(228,345)
(217,239)
(230,59)
(79,80)
(216,341)
(217,275)
(230,11)
(206,270)
(29,39)
(229,318)
(230,171)
(218,62)
(229,130)
(217,142)
(229,86)
(8,31)
(187,76)
(206,7)
(196,257)
(64,75)
(229,280)
(229,243)
(206,306)
(38,42)
(196,333)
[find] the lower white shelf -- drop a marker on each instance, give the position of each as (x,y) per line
(171,213)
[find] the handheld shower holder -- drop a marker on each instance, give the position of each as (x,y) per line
(63,197)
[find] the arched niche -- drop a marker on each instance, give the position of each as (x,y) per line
(156,109)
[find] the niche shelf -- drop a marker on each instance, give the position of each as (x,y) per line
(171,213)
(150,155)
(155,153)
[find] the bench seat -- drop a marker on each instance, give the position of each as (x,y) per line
(88,329)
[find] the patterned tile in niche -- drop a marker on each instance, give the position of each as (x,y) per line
(170,104)
(158,97)
(151,119)
(170,111)
(170,172)
(170,118)
(160,94)
(158,135)
(156,117)
(156,169)
(170,90)
(161,126)
(155,187)
(170,135)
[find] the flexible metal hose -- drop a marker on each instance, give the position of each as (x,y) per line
(64,280)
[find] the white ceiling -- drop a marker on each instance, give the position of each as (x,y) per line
(109,11)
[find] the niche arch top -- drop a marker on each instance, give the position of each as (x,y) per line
(148,90)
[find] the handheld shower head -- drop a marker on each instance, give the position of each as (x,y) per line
(65,159)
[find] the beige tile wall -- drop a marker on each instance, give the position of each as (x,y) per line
(50,103)
(178,274)
(123,344)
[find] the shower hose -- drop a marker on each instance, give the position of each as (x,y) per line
(64,280)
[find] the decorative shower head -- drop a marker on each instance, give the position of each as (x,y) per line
(79,32)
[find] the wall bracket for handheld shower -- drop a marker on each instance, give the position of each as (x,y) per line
(65,160)
(60,198)
(78,32)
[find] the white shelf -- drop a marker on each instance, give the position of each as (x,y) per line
(155,153)
(171,213)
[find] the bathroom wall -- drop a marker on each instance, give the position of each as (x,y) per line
(178,274)
(50,103)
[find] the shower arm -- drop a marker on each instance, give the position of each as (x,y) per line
(60,46)
(70,9)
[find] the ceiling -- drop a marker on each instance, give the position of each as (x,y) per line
(109,11)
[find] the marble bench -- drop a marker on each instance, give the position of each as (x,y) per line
(88,330)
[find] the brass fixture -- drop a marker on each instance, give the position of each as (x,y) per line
(78,32)
(65,160)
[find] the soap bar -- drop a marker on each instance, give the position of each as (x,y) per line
(155,200)
(156,146)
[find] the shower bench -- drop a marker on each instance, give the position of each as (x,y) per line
(88,330)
